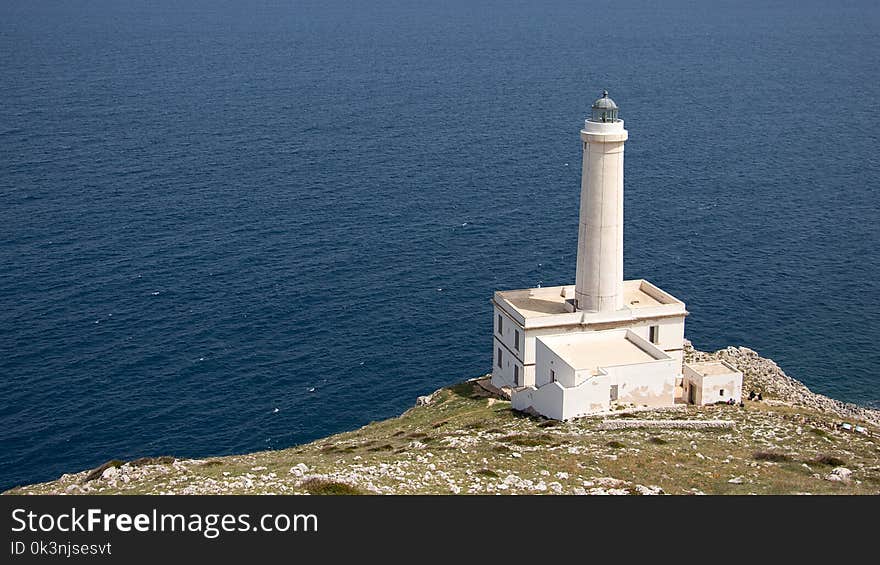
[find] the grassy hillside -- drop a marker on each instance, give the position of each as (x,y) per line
(466,442)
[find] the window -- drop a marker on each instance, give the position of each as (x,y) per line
(721,392)
(500,327)
(654,334)
(613,392)
(499,357)
(516,375)
(516,339)
(552,376)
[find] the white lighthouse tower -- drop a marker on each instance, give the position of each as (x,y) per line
(599,280)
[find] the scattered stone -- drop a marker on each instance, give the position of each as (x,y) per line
(736,481)
(647,491)
(839,474)
(298,470)
(666,424)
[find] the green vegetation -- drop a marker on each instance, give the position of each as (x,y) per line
(828,460)
(465,442)
(96,473)
(771,456)
(323,486)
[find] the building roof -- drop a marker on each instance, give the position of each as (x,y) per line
(594,350)
(712,368)
(638,295)
(604,103)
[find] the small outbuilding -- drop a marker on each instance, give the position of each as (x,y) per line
(709,382)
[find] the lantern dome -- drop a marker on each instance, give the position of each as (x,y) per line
(604,109)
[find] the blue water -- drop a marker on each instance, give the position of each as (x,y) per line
(210,208)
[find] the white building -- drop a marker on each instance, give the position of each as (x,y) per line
(710,382)
(567,351)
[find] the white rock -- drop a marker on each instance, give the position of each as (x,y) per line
(842,474)
(736,481)
(109,473)
(299,470)
(653,490)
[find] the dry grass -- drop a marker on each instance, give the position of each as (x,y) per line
(771,447)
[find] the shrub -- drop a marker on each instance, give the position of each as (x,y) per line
(327,487)
(525,440)
(615,444)
(829,460)
(163,460)
(658,441)
(211,463)
(773,456)
(465,390)
(96,473)
(488,473)
(386,447)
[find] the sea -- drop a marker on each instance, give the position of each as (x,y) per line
(234,226)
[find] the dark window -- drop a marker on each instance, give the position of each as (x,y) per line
(655,334)
(721,392)
(613,392)
(499,356)
(516,339)
(516,375)
(552,376)
(500,327)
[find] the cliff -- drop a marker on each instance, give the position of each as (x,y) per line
(462,440)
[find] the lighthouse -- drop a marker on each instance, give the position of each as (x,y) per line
(599,278)
(601,344)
